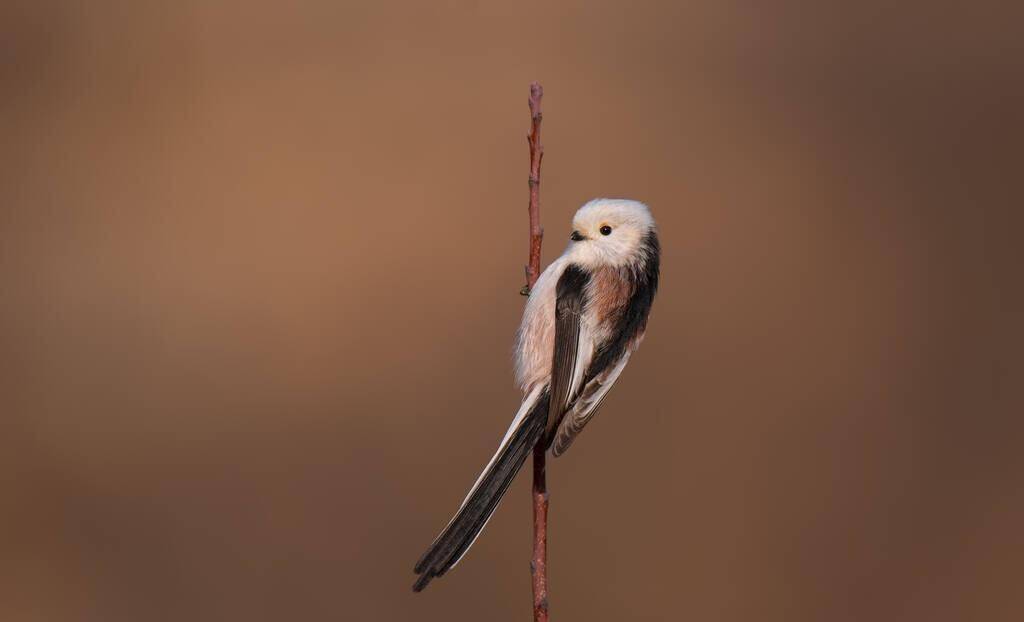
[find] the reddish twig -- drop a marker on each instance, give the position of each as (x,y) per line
(539,562)
(536,155)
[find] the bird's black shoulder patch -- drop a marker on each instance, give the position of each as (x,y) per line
(571,285)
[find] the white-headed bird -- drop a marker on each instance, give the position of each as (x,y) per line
(585,316)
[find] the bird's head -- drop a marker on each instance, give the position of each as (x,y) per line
(610,232)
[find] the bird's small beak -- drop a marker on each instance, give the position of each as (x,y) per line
(576,236)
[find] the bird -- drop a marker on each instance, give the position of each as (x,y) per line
(584,318)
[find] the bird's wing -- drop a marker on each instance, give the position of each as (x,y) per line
(569,358)
(586,405)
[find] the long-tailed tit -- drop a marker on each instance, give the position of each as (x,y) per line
(585,316)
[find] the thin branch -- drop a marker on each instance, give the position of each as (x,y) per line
(539,562)
(536,155)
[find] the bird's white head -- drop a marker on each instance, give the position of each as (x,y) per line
(610,232)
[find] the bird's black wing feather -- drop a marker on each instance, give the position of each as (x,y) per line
(569,302)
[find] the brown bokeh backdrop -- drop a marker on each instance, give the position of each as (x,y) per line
(259,269)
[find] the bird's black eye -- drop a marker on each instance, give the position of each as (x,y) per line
(606,230)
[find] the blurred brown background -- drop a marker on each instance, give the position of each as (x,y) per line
(260,266)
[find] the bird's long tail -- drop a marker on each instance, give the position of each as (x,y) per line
(449,547)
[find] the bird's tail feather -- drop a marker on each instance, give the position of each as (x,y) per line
(449,547)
